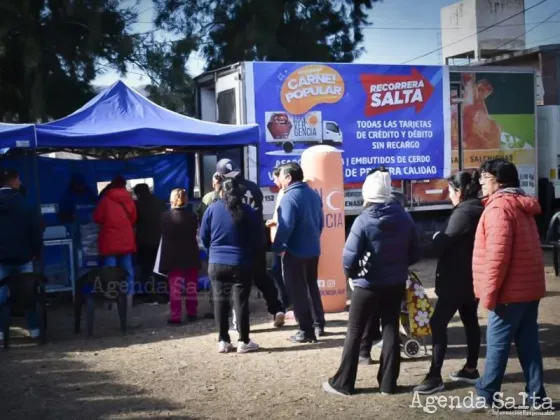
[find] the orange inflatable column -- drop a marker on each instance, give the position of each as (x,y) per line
(322,168)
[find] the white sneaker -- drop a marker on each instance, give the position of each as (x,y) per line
(246,348)
(279,319)
(34,333)
(224,347)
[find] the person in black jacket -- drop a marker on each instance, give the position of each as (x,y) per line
(21,237)
(454,282)
(381,246)
(149,210)
(179,256)
(253,197)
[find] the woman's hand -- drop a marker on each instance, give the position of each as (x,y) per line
(270,223)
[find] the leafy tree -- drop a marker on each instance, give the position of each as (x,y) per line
(51,50)
(164,62)
(227,31)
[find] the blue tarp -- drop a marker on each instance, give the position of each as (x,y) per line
(121,117)
(168,172)
(16,135)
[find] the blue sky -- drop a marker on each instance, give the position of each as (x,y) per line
(400,31)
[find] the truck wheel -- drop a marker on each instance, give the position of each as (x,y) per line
(288,147)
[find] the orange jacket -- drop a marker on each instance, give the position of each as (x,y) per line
(507,260)
(116,216)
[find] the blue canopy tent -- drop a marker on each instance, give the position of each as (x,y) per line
(121,117)
(16,136)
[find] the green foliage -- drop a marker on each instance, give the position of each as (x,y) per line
(228,31)
(51,50)
(165,63)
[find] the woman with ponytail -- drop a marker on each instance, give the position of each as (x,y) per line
(232,233)
(454,282)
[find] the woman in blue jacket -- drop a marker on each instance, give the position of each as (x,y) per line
(381,246)
(232,233)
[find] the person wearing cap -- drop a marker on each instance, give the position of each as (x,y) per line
(382,244)
(253,196)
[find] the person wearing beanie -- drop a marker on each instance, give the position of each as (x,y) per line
(373,328)
(382,244)
(377,188)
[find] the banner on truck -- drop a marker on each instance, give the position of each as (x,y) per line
(396,116)
(497,113)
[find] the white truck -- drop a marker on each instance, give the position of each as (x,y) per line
(489,106)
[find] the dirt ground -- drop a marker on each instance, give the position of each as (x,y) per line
(166,372)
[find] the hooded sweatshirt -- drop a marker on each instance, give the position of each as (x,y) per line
(116,216)
(507,260)
(21,235)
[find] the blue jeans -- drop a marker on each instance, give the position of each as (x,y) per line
(8,270)
(124,262)
(507,323)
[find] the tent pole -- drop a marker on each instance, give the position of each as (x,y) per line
(38,193)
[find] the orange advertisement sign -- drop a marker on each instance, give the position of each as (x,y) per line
(322,166)
(309,86)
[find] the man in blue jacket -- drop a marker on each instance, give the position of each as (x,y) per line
(300,223)
(21,237)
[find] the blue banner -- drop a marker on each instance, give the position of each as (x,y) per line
(396,116)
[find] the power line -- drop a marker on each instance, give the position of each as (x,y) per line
(420,28)
(546,39)
(404,28)
(526,32)
(476,33)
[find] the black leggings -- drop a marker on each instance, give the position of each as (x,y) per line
(386,303)
(231,281)
(443,313)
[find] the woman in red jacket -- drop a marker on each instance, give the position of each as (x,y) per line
(116,216)
(508,274)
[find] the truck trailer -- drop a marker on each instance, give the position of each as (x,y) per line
(422,122)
